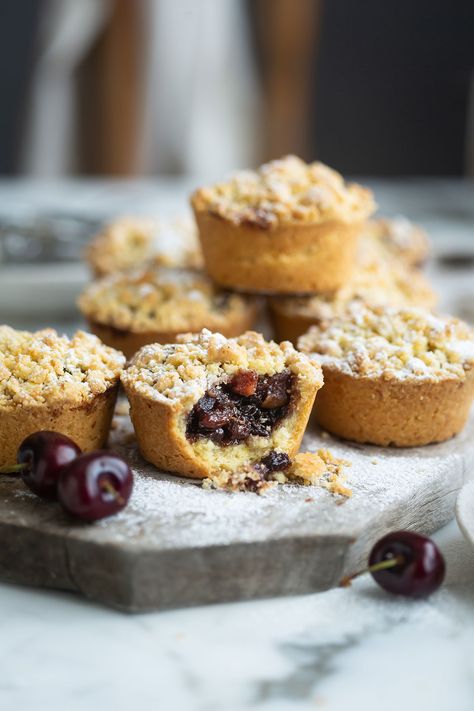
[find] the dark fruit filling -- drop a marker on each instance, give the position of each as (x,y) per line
(275,462)
(249,404)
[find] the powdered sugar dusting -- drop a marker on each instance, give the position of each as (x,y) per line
(171,512)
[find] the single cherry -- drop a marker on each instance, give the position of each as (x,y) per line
(95,485)
(405,563)
(41,458)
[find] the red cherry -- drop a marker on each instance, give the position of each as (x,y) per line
(420,567)
(41,457)
(95,486)
(405,563)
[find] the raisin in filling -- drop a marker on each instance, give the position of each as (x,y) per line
(249,404)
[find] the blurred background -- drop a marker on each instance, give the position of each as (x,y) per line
(113,107)
(172,87)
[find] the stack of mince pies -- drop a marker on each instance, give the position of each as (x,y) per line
(292,235)
(351,312)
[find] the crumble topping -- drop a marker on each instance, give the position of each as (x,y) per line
(184,371)
(43,367)
(285,191)
(377,281)
(160,300)
(405,343)
(128,242)
(401,238)
(319,468)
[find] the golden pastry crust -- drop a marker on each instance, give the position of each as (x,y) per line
(393,376)
(393,413)
(400,239)
(287,228)
(377,281)
(53,382)
(88,425)
(131,242)
(155,305)
(164,383)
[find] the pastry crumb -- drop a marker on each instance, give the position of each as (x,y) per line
(249,479)
(319,468)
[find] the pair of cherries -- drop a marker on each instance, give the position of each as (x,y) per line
(88,486)
(99,484)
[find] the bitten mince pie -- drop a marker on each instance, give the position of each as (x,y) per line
(133,309)
(288,227)
(392,376)
(378,280)
(210,404)
(132,242)
(51,382)
(401,239)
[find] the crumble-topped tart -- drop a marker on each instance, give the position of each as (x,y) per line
(152,305)
(52,382)
(377,281)
(393,376)
(130,242)
(211,404)
(401,239)
(288,227)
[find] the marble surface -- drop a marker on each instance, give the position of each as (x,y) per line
(357,648)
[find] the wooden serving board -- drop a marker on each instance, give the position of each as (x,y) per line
(177,544)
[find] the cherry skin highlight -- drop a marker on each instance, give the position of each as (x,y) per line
(43,456)
(95,486)
(419,567)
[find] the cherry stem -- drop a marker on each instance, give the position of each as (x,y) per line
(107,486)
(13,468)
(383,565)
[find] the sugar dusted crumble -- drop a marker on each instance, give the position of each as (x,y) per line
(286,191)
(160,299)
(401,238)
(377,281)
(404,343)
(184,371)
(129,242)
(45,368)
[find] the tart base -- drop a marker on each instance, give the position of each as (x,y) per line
(88,425)
(289,259)
(401,414)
